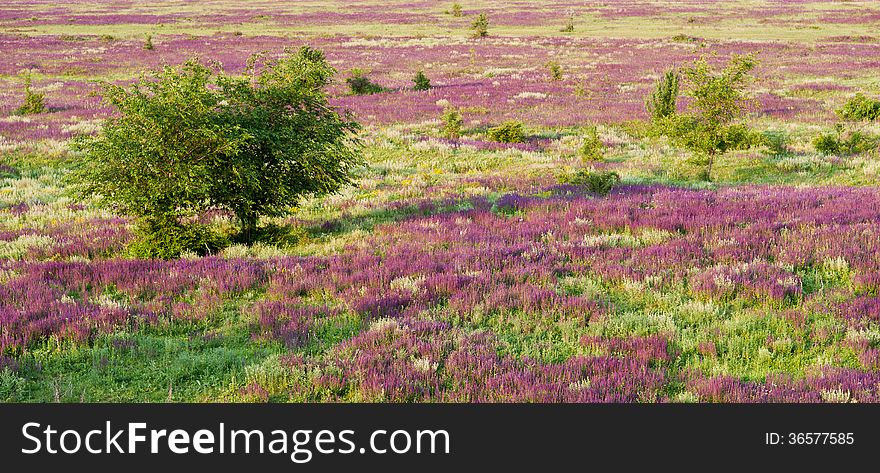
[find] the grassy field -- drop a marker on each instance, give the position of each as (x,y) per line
(463,270)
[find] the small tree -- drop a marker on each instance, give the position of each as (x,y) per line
(148,43)
(33,102)
(190,138)
(421,81)
(555,70)
(661,103)
(593,149)
(452,122)
(569,25)
(456,9)
(717,104)
(480,26)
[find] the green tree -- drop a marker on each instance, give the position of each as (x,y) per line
(718,104)
(555,70)
(456,9)
(421,81)
(192,138)
(593,148)
(452,122)
(480,26)
(661,103)
(34,102)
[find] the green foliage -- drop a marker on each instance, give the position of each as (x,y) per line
(776,142)
(480,26)
(510,131)
(683,38)
(827,143)
(168,239)
(421,81)
(456,9)
(189,139)
(860,108)
(569,25)
(717,105)
(595,182)
(148,43)
(555,70)
(452,122)
(360,84)
(842,144)
(33,101)
(661,103)
(593,149)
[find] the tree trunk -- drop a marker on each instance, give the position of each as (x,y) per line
(709,166)
(248,227)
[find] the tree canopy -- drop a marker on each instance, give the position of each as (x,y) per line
(193,138)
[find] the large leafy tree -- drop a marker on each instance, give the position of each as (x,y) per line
(192,138)
(718,103)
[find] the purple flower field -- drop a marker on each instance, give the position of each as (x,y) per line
(460,270)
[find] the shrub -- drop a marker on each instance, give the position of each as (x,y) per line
(168,239)
(860,108)
(360,84)
(189,139)
(456,9)
(683,38)
(148,43)
(840,143)
(776,142)
(33,101)
(421,81)
(452,122)
(661,103)
(595,182)
(569,25)
(593,149)
(827,144)
(555,70)
(480,26)
(510,131)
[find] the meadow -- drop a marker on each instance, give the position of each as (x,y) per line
(465,269)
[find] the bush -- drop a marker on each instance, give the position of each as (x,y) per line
(569,25)
(776,142)
(827,144)
(190,139)
(593,149)
(456,9)
(510,131)
(595,182)
(480,26)
(842,144)
(860,108)
(452,122)
(662,102)
(148,43)
(33,101)
(555,70)
(421,81)
(168,239)
(360,84)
